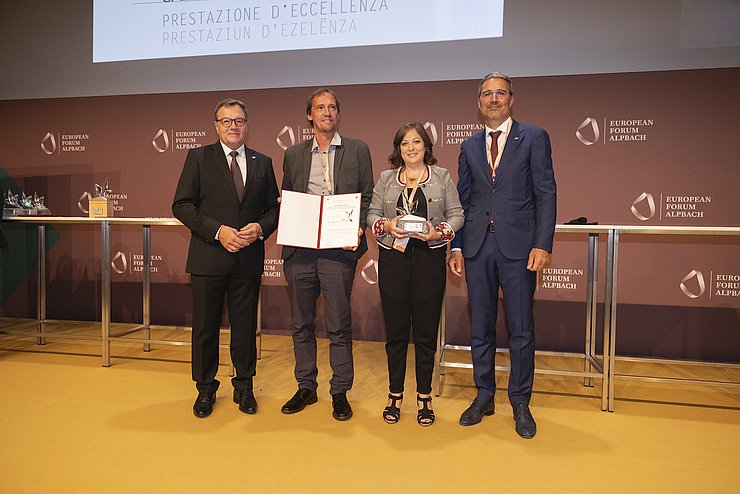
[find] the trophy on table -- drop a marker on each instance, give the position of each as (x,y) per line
(101,206)
(27,205)
(39,206)
(12,207)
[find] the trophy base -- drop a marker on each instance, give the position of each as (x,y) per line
(100,207)
(413,224)
(9,212)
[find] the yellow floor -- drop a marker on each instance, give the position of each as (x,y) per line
(70,425)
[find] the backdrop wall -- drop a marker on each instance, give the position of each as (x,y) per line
(46,49)
(655,148)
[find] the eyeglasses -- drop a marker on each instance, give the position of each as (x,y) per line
(226,122)
(499,93)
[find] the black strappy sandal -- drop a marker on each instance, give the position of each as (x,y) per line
(392,413)
(425,417)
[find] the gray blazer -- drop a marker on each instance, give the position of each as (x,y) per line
(443,203)
(353,172)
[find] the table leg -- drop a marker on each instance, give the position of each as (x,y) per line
(41,294)
(105,290)
(147,286)
(613,318)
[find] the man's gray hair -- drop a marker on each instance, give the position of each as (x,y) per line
(496,75)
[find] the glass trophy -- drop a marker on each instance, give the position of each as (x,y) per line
(39,206)
(413,224)
(11,206)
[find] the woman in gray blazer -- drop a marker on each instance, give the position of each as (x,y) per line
(414,214)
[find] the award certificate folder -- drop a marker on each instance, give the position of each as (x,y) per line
(319,222)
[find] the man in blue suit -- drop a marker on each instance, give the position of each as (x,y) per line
(507,189)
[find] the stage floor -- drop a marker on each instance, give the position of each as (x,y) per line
(70,425)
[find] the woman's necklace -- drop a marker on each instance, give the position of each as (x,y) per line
(410,180)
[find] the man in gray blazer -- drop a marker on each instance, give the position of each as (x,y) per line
(327,164)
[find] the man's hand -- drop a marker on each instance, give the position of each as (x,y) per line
(456,263)
(538,259)
(250,232)
(360,233)
(230,239)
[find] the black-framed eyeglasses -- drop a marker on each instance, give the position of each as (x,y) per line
(226,122)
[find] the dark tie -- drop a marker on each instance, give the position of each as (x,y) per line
(494,150)
(236,175)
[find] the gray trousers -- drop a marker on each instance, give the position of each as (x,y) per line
(310,273)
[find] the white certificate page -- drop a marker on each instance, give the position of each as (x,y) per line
(318,222)
(340,221)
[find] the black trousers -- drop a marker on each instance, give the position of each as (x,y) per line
(411,291)
(241,292)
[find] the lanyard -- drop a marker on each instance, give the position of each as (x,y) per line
(325,169)
(408,199)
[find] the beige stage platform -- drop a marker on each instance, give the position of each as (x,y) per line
(71,426)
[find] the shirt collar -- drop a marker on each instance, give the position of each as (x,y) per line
(335,141)
(504,128)
(241,150)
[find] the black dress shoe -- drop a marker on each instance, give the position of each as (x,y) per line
(342,410)
(246,400)
(300,400)
(204,404)
(525,425)
(475,412)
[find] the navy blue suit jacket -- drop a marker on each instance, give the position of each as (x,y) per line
(522,199)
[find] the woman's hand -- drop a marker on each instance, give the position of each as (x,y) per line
(392,228)
(432,235)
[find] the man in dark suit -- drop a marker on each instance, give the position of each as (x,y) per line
(227,197)
(507,189)
(3,240)
(327,164)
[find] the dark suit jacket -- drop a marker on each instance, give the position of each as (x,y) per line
(522,200)
(3,240)
(353,172)
(206,198)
